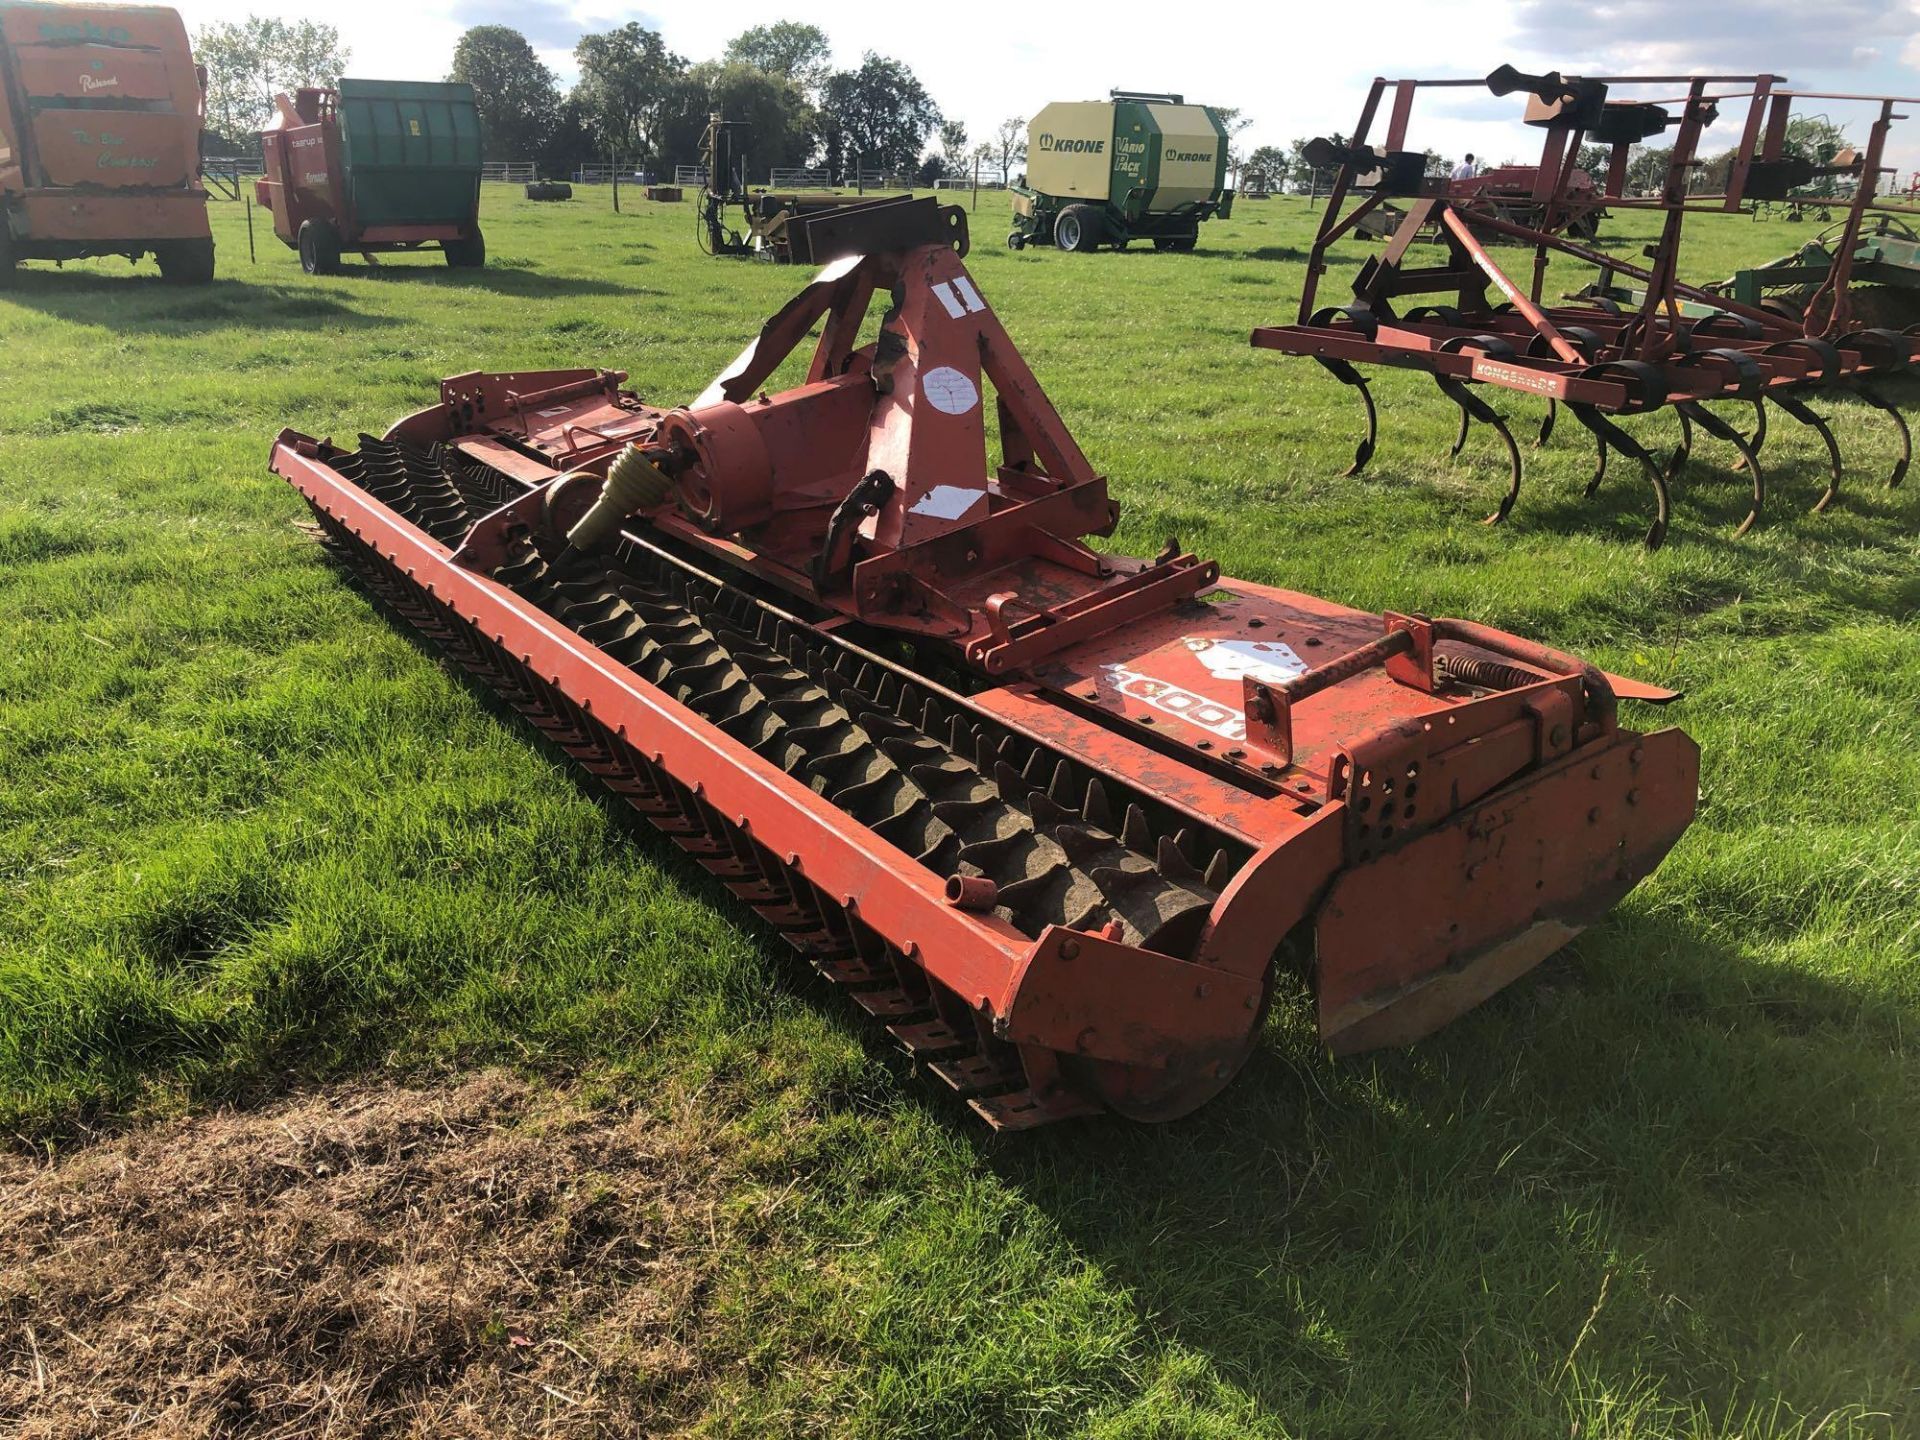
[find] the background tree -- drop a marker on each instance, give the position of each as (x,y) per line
(1266,169)
(879,116)
(952,152)
(629,83)
(518,100)
(779,123)
(1594,159)
(790,49)
(1236,124)
(250,61)
(1010,146)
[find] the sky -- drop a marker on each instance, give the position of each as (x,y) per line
(1294,69)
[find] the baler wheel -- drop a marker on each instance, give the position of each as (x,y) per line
(1077,228)
(185,262)
(1016,240)
(319,248)
(467,253)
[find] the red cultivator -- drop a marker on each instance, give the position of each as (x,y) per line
(1677,346)
(1042,811)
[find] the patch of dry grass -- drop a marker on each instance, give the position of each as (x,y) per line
(480,1258)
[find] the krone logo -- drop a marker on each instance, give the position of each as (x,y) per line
(1072,147)
(1202,156)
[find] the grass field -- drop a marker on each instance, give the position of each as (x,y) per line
(254,839)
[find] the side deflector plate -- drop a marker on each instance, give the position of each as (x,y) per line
(1425,932)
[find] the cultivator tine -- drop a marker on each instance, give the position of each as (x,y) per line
(1612,437)
(1749,458)
(1682,452)
(1472,407)
(1880,403)
(1347,375)
(1798,409)
(1546,424)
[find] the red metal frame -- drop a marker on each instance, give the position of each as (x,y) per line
(1592,355)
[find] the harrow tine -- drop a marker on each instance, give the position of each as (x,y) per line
(1749,458)
(1460,435)
(1347,375)
(1473,407)
(1611,436)
(1879,402)
(1798,409)
(1546,424)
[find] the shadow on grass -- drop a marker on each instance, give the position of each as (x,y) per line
(1659,1131)
(498,279)
(146,304)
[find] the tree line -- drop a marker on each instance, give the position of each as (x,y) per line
(638,102)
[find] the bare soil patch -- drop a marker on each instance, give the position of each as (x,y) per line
(480,1258)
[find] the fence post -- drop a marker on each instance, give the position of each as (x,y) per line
(976,184)
(252,258)
(616,190)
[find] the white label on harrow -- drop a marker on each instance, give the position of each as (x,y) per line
(967,293)
(1268,661)
(947,298)
(946,502)
(949,391)
(551,411)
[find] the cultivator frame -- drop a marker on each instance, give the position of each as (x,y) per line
(1056,818)
(1599,358)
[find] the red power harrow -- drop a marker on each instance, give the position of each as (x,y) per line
(1050,815)
(1679,346)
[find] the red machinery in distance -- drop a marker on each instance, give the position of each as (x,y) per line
(1471,324)
(1056,818)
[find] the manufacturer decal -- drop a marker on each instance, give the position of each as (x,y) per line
(1203,157)
(1515,378)
(1048,143)
(1171,699)
(89,83)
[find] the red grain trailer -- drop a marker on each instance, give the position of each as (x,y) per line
(375,165)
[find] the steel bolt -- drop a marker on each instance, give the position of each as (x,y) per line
(1558,735)
(1069,949)
(1633,797)
(1203,989)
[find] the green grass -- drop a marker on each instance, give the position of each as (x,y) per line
(251,833)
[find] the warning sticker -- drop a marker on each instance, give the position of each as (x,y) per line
(1268,661)
(949,391)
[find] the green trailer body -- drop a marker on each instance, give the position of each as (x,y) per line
(1132,167)
(411,151)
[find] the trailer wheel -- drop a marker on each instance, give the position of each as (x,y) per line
(1078,228)
(467,253)
(319,248)
(185,262)
(1016,240)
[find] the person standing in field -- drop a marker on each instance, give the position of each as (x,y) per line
(1466,169)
